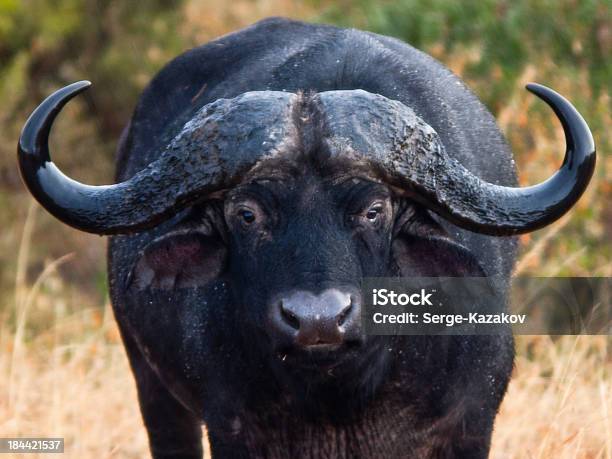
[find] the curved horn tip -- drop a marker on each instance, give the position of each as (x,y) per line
(79,85)
(576,129)
(544,92)
(63,95)
(35,132)
(535,87)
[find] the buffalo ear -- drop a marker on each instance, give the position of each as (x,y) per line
(179,260)
(422,248)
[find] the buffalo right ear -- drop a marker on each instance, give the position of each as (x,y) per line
(179,260)
(434,257)
(422,248)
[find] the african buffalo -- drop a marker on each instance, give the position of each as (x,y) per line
(261,177)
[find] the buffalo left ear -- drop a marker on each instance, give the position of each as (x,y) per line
(422,248)
(179,260)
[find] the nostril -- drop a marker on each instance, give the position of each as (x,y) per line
(289,317)
(344,314)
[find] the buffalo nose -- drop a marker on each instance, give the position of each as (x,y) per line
(327,319)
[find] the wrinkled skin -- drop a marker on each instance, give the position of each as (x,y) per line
(193,296)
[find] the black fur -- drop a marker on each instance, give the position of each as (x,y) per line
(191,295)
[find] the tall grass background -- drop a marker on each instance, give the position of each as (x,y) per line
(63,371)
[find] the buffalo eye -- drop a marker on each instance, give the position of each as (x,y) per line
(247,216)
(374,212)
(371,216)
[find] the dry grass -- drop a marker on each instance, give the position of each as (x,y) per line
(559,401)
(65,374)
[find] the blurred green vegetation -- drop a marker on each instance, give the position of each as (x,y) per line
(119,45)
(506,36)
(495,46)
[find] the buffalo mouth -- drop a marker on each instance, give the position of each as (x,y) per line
(350,360)
(324,379)
(319,356)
